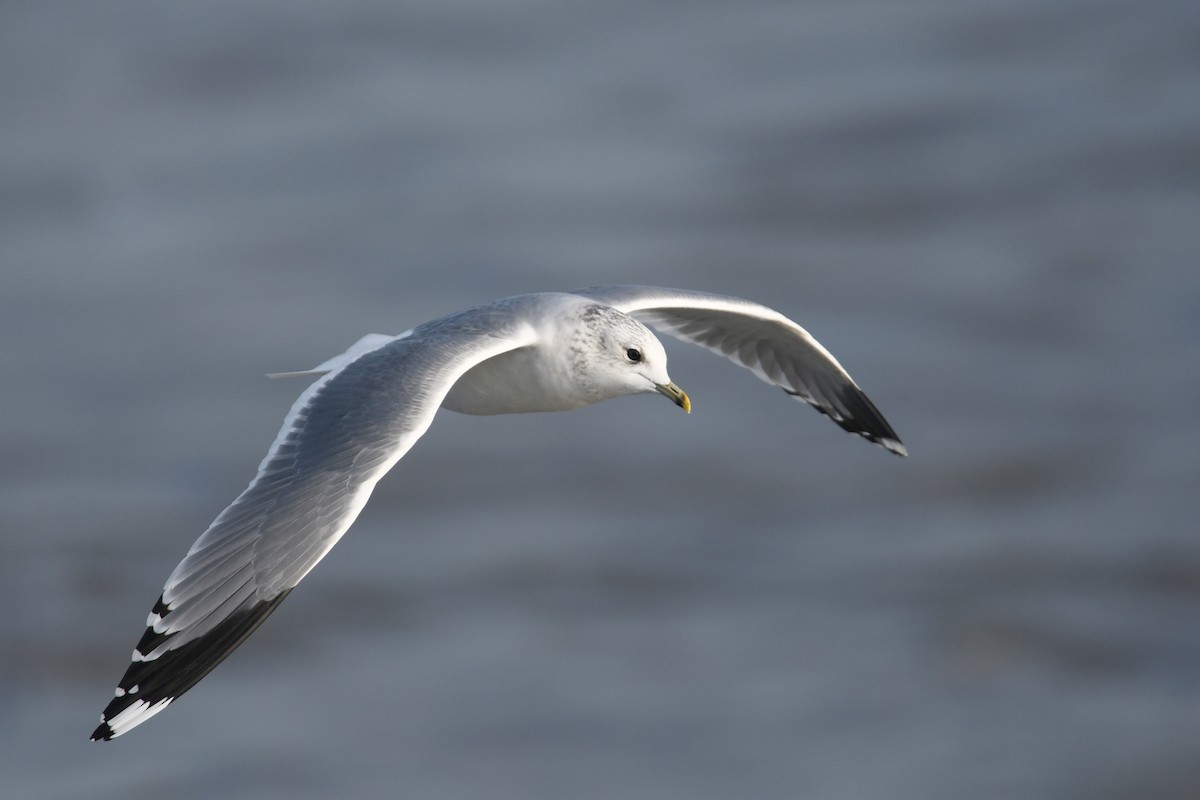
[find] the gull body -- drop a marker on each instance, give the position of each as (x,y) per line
(366,407)
(582,357)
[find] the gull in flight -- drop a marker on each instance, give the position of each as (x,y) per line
(535,352)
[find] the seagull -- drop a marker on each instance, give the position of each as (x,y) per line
(549,351)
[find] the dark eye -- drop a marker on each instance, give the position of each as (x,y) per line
(633,354)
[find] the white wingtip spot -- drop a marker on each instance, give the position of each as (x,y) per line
(135,715)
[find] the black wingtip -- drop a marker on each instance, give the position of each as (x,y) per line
(157,682)
(860,416)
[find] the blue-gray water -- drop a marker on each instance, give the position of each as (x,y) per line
(989,212)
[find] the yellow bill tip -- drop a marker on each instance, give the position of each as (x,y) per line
(675,395)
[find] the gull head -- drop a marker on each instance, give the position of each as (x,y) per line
(622,356)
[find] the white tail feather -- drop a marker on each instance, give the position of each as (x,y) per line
(366,344)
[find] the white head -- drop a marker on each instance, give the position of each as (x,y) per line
(616,355)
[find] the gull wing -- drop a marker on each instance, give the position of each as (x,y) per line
(340,437)
(764,341)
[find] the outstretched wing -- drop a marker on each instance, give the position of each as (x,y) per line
(340,437)
(764,341)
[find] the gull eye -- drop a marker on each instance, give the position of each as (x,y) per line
(633,354)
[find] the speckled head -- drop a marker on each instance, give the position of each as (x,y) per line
(616,355)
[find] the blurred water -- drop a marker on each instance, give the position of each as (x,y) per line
(988,212)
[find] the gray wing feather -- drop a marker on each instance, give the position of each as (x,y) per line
(340,437)
(773,347)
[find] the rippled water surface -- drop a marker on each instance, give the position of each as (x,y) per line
(988,212)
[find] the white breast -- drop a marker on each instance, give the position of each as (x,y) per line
(518,382)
